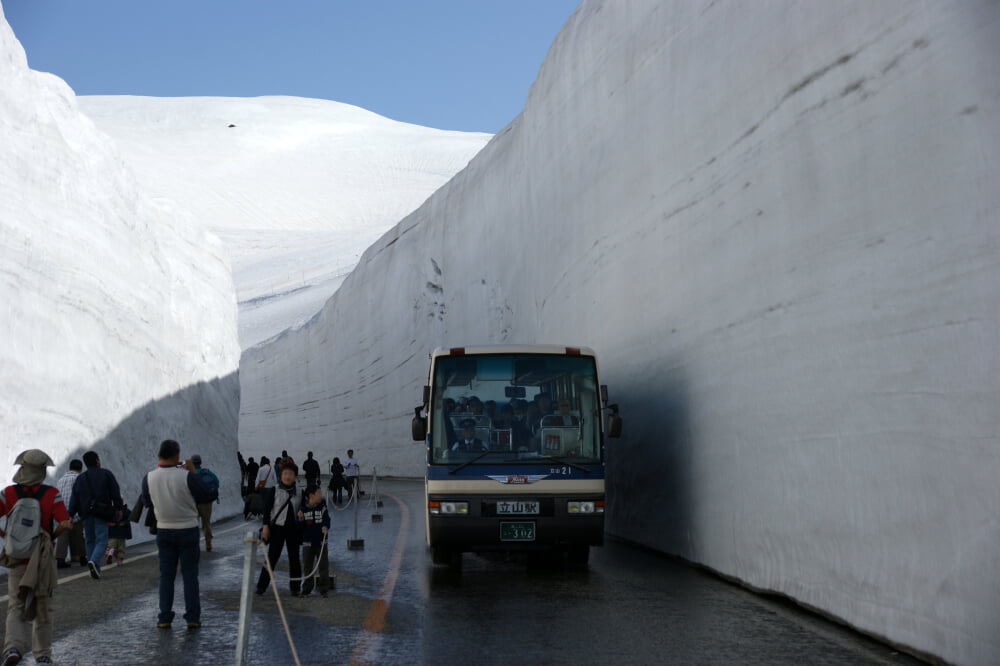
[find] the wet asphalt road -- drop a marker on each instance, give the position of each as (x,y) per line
(392,606)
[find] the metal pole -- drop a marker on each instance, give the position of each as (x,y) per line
(246,599)
(355,543)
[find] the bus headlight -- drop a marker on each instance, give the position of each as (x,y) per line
(449,508)
(585,507)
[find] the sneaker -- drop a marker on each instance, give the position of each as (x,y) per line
(259,591)
(83,560)
(194,625)
(94,573)
(323,594)
(11,657)
(62,564)
(110,559)
(162,625)
(208,547)
(43,660)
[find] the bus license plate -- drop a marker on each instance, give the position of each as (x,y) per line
(517,531)
(524,508)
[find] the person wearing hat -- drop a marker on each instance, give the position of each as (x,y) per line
(468,441)
(205,508)
(42,575)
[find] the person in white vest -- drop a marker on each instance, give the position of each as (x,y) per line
(173,490)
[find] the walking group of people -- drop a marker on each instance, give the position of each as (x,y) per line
(85,518)
(85,515)
(294,519)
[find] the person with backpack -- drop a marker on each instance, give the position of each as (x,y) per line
(35,514)
(98,500)
(205,508)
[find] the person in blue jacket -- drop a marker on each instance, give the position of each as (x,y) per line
(93,490)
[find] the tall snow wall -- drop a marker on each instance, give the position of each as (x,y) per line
(118,320)
(777,223)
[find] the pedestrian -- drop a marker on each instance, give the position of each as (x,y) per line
(337,481)
(28,617)
(311,469)
(251,479)
(73,538)
(174,491)
(266,477)
(118,533)
(352,473)
(314,521)
(97,498)
(243,468)
(205,508)
(280,529)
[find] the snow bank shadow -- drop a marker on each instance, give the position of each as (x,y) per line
(203,418)
(649,468)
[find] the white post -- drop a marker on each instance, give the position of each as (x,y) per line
(246,599)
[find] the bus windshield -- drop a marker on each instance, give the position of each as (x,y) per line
(515,408)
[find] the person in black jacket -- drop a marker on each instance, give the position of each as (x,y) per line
(94,490)
(337,483)
(280,528)
(311,469)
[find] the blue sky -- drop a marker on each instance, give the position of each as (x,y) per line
(450,64)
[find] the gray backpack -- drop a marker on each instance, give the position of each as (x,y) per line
(24,523)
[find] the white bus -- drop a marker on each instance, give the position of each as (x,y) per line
(515,440)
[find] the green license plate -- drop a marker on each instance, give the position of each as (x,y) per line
(511,531)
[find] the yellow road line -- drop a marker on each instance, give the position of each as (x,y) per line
(375,620)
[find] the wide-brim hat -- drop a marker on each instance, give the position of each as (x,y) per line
(33,463)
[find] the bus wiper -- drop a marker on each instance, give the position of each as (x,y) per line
(553,459)
(468,462)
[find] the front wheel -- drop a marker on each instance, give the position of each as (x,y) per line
(446,557)
(578,554)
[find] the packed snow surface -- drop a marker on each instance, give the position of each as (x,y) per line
(777,224)
(296,188)
(119,312)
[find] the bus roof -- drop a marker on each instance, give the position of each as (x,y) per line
(479,350)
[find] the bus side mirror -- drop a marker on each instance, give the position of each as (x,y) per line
(418,427)
(614,423)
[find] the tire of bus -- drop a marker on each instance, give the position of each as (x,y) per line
(446,557)
(579,554)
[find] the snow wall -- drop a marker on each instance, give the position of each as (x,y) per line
(777,223)
(119,313)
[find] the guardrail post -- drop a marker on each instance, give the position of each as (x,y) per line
(356,543)
(246,599)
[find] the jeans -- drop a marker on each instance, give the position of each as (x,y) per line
(179,546)
(95,532)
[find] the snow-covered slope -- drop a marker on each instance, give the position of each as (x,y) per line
(777,223)
(297,188)
(118,322)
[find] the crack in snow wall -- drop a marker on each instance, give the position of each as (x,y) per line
(777,225)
